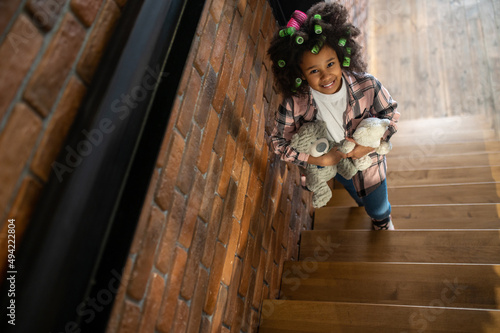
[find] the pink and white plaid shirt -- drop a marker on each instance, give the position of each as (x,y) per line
(366,98)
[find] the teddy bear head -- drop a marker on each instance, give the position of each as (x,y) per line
(370,130)
(311,139)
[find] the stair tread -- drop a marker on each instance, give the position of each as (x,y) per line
(427,246)
(412,217)
(436,149)
(427,161)
(314,316)
(442,136)
(429,194)
(442,176)
(470,286)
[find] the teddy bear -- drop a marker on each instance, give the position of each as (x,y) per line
(368,133)
(312,139)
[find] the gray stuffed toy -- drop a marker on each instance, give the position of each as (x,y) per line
(312,139)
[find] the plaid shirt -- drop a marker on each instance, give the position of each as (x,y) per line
(366,98)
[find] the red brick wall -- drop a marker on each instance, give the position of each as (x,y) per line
(222,213)
(49,51)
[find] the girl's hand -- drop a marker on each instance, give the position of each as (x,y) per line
(333,157)
(359,151)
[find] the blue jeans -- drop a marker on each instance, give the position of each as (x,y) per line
(376,204)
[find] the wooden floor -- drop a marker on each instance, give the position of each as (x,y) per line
(439,271)
(437,57)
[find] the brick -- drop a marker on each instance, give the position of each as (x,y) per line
(98,40)
(189,103)
(227,166)
(121,3)
(181,317)
(144,262)
(220,307)
(215,278)
(48,78)
(130,318)
(206,96)
(227,219)
(237,66)
(203,19)
(257,19)
(164,152)
(208,141)
(250,143)
(232,298)
(229,11)
(259,280)
(209,194)
(234,35)
(17,141)
(253,4)
(248,212)
(219,45)
(222,83)
(45,13)
(7,10)
(193,261)
(186,174)
(239,103)
(169,304)
(259,95)
(170,172)
(249,101)
(216,9)
(86,10)
(240,150)
(192,209)
(255,185)
(212,231)
(205,48)
(247,22)
(247,63)
(22,210)
(18,51)
(152,304)
(197,302)
(231,252)
(242,4)
(247,268)
(145,212)
(57,130)
(183,84)
(268,22)
(205,325)
(225,119)
(170,233)
(269,258)
(238,315)
(242,190)
(248,303)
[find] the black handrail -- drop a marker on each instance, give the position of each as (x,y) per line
(70,261)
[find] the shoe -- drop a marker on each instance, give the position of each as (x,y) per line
(385,224)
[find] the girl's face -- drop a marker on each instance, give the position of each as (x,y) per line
(322,71)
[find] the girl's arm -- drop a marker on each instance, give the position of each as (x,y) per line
(284,129)
(385,108)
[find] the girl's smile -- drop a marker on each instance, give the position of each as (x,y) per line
(322,71)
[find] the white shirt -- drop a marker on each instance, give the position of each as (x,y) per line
(331,109)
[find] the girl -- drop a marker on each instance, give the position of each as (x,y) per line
(321,75)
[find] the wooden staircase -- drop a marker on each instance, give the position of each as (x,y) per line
(438,272)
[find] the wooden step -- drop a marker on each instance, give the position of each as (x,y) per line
(279,316)
(444,149)
(421,161)
(429,195)
(412,217)
(464,286)
(425,246)
(432,124)
(440,136)
(444,176)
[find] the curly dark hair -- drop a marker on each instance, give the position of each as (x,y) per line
(335,25)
